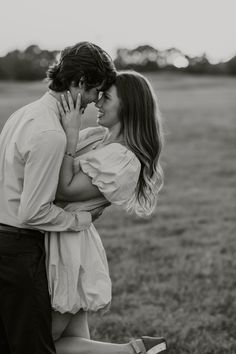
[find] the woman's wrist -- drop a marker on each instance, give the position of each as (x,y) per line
(71,148)
(72,134)
(69,154)
(72,140)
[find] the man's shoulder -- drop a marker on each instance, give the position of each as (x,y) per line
(31,109)
(41,116)
(31,123)
(36,107)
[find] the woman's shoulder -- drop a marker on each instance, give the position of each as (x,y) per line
(91,132)
(116,148)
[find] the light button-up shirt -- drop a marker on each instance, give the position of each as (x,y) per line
(32,146)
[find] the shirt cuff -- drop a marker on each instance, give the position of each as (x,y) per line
(83,220)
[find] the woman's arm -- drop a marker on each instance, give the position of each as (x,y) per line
(79,189)
(73,187)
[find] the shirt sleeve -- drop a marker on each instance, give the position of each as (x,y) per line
(114,170)
(43,160)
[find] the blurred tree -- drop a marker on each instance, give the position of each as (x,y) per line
(231,66)
(30,64)
(142,58)
(199,65)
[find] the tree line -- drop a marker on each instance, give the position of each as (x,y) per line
(32,63)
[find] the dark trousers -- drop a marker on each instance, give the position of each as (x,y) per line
(25,310)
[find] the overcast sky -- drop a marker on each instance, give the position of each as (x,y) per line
(193,26)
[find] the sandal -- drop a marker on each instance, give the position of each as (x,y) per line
(149,345)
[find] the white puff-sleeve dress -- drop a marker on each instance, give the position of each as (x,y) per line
(77,269)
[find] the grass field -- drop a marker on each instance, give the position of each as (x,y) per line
(174,274)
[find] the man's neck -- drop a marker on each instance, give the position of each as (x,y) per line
(56,95)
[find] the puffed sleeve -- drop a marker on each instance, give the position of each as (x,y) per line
(114,170)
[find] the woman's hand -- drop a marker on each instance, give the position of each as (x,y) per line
(71,118)
(70,113)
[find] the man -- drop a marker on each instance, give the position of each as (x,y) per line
(32,146)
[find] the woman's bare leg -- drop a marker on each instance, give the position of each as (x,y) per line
(76,345)
(59,323)
(75,339)
(78,326)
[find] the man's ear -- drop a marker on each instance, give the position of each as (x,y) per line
(82,83)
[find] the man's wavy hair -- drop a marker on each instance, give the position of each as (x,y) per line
(83,60)
(141,128)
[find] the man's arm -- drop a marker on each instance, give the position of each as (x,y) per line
(42,165)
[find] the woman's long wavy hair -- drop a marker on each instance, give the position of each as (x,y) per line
(142,131)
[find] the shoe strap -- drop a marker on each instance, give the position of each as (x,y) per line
(138,346)
(159,348)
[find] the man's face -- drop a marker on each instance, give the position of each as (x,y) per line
(87,96)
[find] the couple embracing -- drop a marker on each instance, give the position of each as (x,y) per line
(55,179)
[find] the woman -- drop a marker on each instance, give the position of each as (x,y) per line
(117,162)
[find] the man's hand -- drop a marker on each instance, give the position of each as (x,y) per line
(97,212)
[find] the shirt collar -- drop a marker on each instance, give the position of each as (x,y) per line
(50,101)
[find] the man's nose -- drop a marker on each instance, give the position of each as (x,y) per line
(99,99)
(98,102)
(95,100)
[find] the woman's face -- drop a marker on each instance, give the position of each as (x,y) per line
(108,108)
